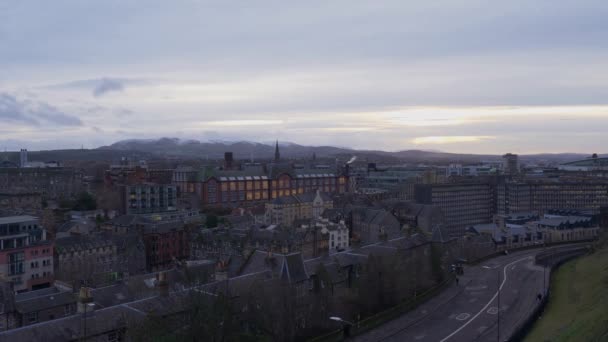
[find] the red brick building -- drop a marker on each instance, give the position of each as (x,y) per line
(165,243)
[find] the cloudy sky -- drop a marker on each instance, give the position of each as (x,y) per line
(461,76)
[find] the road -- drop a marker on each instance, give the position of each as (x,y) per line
(469,310)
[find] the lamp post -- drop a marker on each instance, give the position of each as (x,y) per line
(498,306)
(345,325)
(84,335)
(498,279)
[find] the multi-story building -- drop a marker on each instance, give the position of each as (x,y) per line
(338,233)
(285,210)
(590,164)
(51,183)
(559,228)
(511,164)
(470,170)
(229,188)
(98,259)
(463,204)
(165,243)
(37,306)
(186,179)
(393,178)
(144,198)
(20,201)
(543,195)
(26,256)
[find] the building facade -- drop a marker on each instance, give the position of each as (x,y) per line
(165,243)
(148,198)
(463,204)
(51,183)
(541,196)
(285,210)
(26,256)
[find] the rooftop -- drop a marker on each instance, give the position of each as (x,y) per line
(17,219)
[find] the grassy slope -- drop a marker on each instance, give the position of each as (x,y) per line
(578,307)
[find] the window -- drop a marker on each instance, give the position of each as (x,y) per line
(32,317)
(113,336)
(16,263)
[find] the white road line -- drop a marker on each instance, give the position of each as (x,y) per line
(504,280)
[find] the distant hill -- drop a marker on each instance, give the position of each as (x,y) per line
(174,148)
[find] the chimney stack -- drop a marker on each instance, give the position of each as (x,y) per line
(84,300)
(221,272)
(163,284)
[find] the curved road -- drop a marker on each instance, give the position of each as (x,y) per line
(469,311)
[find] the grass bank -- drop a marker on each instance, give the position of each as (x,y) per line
(578,304)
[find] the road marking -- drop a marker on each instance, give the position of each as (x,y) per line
(463,316)
(504,280)
(492,311)
(476,288)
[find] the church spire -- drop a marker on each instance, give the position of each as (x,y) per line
(277,155)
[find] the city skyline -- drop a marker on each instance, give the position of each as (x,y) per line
(469,78)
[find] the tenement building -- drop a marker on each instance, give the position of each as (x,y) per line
(285,210)
(51,183)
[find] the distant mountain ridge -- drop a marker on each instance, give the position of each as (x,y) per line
(244,150)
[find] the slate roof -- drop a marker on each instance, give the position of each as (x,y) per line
(259,261)
(82,242)
(144,285)
(128,220)
(163,227)
(71,328)
(293,269)
(284,200)
(45,301)
(17,219)
(111,318)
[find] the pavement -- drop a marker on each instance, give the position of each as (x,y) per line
(470,310)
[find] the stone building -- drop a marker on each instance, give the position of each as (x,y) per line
(21,201)
(51,183)
(98,258)
(370,225)
(285,210)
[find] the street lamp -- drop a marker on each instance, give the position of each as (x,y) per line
(345,325)
(498,306)
(498,300)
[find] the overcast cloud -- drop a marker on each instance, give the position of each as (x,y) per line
(460,76)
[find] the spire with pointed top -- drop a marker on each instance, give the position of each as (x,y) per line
(277,155)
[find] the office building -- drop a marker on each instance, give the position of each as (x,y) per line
(463,204)
(26,256)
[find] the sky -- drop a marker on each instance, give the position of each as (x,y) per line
(458,76)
